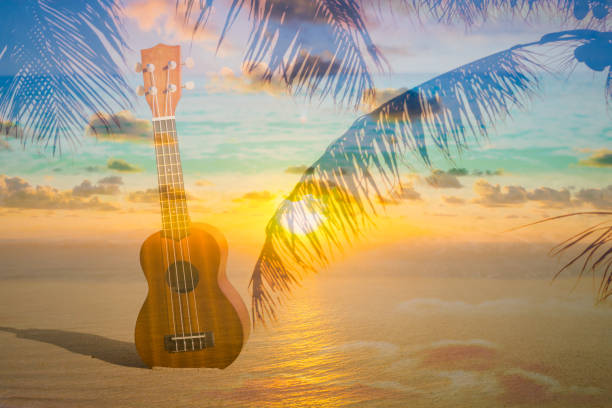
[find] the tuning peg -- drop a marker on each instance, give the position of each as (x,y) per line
(140,90)
(150,67)
(152,90)
(189,85)
(138,67)
(172,88)
(172,65)
(189,62)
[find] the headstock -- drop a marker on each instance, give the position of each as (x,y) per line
(161,71)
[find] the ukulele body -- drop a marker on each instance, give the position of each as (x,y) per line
(192,316)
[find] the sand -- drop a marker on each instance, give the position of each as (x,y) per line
(348,338)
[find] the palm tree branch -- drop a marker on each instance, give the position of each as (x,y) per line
(348,185)
(597,236)
(62,67)
(315,47)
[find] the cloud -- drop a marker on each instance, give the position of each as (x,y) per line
(597,197)
(120,127)
(458,171)
(249,82)
(94,169)
(6,128)
(401,193)
(441,179)
(106,186)
(453,200)
(301,169)
(598,158)
(163,17)
(122,166)
(407,192)
(325,62)
(16,192)
(462,171)
(150,195)
(255,196)
(111,180)
(377,96)
(255,78)
(494,196)
(550,197)
(497,172)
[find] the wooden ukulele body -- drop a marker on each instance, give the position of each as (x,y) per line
(192,316)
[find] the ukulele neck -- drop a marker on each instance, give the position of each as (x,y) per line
(172,197)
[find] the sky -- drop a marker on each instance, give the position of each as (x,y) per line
(244,145)
(443,301)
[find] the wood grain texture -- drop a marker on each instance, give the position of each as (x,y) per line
(216,303)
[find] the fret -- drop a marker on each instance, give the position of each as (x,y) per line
(166,189)
(172,192)
(174,226)
(172,195)
(175,218)
(175,211)
(176,221)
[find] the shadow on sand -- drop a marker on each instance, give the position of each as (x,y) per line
(112,351)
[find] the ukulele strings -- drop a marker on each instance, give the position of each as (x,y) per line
(186,221)
(163,155)
(176,173)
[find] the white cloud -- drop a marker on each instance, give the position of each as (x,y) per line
(495,196)
(16,192)
(120,127)
(441,179)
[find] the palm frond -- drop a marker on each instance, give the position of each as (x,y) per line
(584,13)
(314,46)
(338,197)
(345,186)
(593,251)
(58,64)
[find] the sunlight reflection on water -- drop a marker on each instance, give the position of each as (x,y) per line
(328,352)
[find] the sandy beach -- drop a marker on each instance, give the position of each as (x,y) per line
(348,338)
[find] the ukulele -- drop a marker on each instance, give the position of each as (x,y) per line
(192,316)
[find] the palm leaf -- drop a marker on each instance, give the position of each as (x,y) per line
(473,12)
(317,46)
(593,251)
(339,195)
(58,64)
(314,46)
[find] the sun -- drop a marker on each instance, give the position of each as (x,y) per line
(303,216)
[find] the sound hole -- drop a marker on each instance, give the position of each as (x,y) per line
(179,277)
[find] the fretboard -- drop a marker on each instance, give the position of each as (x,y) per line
(172,197)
